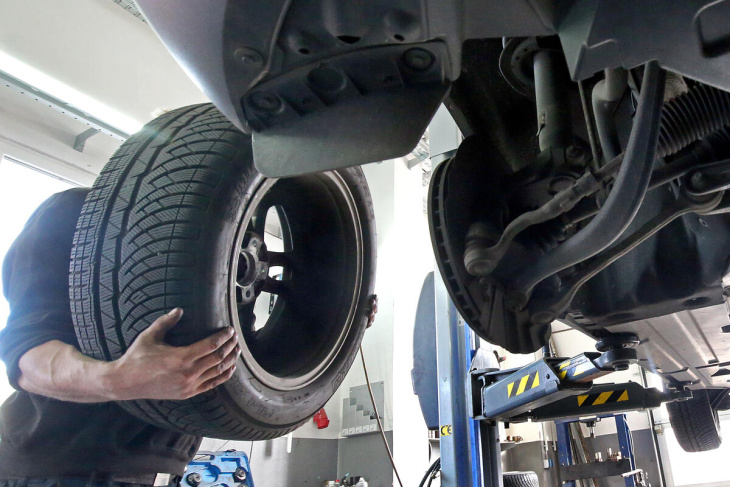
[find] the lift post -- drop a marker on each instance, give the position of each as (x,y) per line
(470,451)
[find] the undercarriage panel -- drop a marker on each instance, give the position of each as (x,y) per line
(687,346)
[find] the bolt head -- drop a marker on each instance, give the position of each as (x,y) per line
(574,151)
(575,154)
(239,474)
(698,180)
(418,59)
(515,301)
(327,79)
(248,57)
(266,102)
(543,317)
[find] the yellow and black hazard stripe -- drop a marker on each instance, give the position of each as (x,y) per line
(574,367)
(579,369)
(526,383)
(607,397)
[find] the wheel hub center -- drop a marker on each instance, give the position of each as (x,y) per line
(247,268)
(252,268)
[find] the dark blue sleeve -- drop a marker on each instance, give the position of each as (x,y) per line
(35,280)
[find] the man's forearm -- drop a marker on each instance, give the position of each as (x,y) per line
(58,370)
(149,369)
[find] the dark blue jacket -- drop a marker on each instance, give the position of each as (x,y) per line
(43,437)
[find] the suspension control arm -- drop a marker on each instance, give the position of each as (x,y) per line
(545,311)
(480,259)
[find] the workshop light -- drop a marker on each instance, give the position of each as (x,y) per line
(69,95)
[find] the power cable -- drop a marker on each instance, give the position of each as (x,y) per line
(377,417)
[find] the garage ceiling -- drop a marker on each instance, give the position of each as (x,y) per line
(130,7)
(41,136)
(98,49)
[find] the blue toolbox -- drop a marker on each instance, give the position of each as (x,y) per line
(223,469)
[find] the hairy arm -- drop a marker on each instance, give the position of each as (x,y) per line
(150,369)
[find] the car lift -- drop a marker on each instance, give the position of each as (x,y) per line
(550,389)
(473,397)
(473,394)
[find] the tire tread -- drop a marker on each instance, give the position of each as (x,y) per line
(695,423)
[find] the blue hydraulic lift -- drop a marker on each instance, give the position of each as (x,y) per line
(469,448)
(471,402)
(470,451)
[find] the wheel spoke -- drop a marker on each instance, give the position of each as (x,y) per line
(245,294)
(246,316)
(258,220)
(274,286)
(278,259)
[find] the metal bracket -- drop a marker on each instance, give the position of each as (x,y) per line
(506,394)
(81,139)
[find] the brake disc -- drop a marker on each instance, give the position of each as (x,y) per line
(455,201)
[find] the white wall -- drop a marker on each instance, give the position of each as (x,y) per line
(415,260)
(404,259)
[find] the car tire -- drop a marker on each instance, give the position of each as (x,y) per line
(695,423)
(520,479)
(177,218)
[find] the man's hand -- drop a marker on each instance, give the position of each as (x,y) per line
(150,369)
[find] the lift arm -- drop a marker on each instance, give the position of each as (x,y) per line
(556,388)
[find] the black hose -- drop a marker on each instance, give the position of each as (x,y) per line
(435,467)
(622,204)
(692,116)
